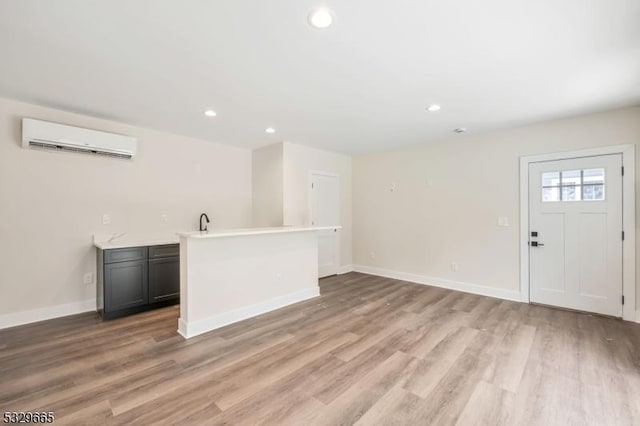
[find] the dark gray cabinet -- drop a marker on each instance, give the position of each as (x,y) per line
(126,285)
(137,279)
(164,279)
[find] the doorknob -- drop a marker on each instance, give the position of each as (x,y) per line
(536,244)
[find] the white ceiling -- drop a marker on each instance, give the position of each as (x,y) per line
(361,85)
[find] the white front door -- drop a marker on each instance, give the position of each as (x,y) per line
(325,211)
(575,233)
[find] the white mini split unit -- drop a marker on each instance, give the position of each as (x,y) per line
(59,137)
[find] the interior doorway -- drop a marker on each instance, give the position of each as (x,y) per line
(325,211)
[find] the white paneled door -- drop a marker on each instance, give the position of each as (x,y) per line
(575,233)
(325,211)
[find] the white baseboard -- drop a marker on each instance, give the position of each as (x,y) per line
(345,269)
(638,316)
(42,314)
(195,328)
(439,282)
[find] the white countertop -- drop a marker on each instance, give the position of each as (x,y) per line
(116,241)
(220,233)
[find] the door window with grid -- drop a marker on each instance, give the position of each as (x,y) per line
(573,185)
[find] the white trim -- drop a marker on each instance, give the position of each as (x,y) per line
(345,269)
(50,312)
(524,229)
(194,328)
(638,316)
(628,218)
(481,290)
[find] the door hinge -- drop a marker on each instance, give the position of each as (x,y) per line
(623,299)
(311,186)
(622,170)
(622,235)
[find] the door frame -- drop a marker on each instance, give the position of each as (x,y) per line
(628,218)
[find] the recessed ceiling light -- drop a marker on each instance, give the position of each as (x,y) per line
(210,113)
(460,130)
(433,108)
(270,130)
(320,18)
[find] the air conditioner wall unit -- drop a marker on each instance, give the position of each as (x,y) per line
(60,137)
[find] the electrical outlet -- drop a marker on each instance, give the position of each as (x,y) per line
(88,278)
(392,187)
(372,255)
(164,218)
(454,266)
(106,219)
(503,221)
(279,276)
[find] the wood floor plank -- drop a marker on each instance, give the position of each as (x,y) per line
(488,405)
(341,378)
(445,403)
(286,401)
(397,407)
(240,385)
(508,366)
(365,393)
(434,367)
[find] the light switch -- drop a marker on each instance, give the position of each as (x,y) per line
(106,219)
(503,221)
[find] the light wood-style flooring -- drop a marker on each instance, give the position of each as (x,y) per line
(369,351)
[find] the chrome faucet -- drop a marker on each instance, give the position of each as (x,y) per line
(203,228)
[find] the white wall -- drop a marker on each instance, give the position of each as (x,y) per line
(267,186)
(52,203)
(298,162)
(448,196)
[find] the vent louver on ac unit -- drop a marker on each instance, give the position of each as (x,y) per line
(59,137)
(49,146)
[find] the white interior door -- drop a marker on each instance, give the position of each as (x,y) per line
(575,233)
(325,211)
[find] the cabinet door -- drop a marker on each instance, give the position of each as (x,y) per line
(164,279)
(126,285)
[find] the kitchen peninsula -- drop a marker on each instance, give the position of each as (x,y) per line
(230,275)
